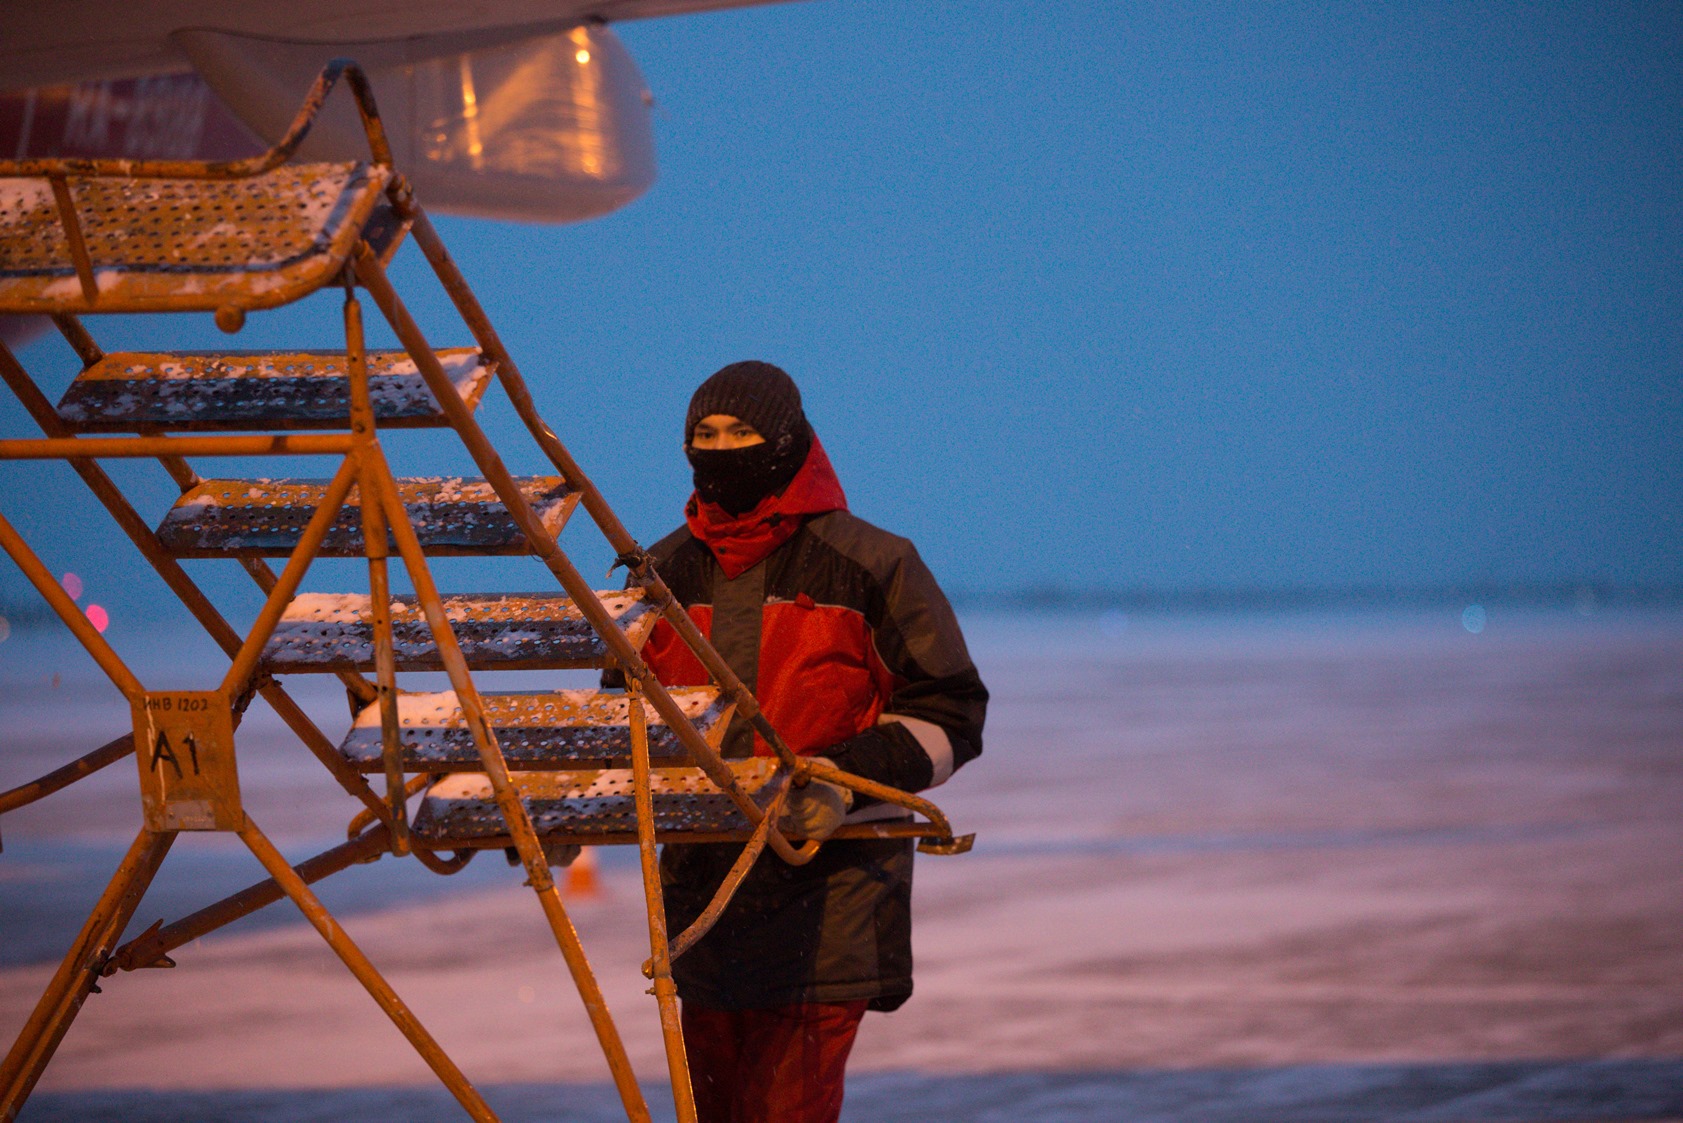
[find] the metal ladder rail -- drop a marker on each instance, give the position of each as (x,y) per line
(625,546)
(372,277)
(637,561)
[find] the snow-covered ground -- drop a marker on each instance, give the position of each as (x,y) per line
(1304,867)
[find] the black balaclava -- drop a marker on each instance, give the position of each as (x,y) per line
(765,397)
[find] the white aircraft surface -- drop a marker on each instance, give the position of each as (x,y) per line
(529,110)
(524,109)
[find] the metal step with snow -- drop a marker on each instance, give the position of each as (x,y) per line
(594,807)
(497,631)
(159,244)
(561,729)
(270,390)
(264,518)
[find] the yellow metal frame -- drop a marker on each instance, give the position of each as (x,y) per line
(382,826)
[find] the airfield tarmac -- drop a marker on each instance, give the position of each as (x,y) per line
(1314,867)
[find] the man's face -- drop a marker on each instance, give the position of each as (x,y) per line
(721,431)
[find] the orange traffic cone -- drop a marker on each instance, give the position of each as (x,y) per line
(582,881)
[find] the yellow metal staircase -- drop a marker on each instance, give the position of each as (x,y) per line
(518,770)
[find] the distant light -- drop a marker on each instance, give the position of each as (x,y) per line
(1584,600)
(470,115)
(583,56)
(5,629)
(99,618)
(1113,623)
(72,585)
(1472,618)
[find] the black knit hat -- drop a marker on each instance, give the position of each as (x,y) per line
(758,393)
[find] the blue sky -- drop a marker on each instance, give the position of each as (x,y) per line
(1164,296)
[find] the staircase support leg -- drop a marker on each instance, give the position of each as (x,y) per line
(152,947)
(366,974)
(665,990)
(379,582)
(508,799)
(80,970)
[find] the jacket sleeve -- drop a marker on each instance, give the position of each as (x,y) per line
(932,721)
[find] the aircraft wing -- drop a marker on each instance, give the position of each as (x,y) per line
(71,41)
(529,110)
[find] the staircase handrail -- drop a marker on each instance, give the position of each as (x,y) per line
(84,167)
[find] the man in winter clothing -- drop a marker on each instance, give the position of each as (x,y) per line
(854,655)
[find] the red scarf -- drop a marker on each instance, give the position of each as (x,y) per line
(742,541)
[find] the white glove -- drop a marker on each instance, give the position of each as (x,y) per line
(815,811)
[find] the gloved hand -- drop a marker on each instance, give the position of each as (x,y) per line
(815,811)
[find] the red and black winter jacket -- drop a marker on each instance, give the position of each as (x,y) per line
(851,626)
(853,653)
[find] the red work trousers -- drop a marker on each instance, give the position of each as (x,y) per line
(778,1065)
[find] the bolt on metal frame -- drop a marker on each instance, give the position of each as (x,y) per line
(358,259)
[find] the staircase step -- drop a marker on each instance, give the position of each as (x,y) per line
(595,806)
(561,729)
(497,631)
(264,518)
(232,390)
(184,245)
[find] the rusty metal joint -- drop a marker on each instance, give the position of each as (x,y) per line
(365,818)
(635,560)
(259,682)
(99,967)
(402,195)
(137,954)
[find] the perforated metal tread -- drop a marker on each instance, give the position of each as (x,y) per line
(594,806)
(231,390)
(559,729)
(264,518)
(496,631)
(185,244)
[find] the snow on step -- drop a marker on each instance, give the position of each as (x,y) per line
(264,518)
(204,390)
(506,631)
(563,728)
(594,806)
